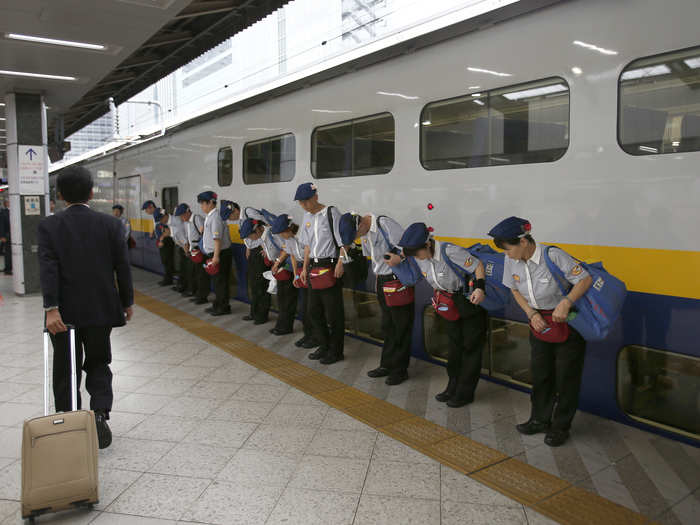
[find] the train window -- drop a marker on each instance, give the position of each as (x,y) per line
(225,166)
(436,341)
(659,110)
(363,146)
(170,201)
(514,125)
(269,160)
(362,314)
(660,388)
(509,345)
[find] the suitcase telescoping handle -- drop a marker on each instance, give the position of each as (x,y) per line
(73,373)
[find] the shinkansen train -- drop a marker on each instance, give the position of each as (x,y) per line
(583,117)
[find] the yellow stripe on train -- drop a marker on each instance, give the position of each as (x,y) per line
(646,270)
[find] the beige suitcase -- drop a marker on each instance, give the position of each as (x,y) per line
(59,453)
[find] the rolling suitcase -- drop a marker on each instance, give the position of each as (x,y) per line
(59,453)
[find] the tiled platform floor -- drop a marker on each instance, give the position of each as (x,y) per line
(201,436)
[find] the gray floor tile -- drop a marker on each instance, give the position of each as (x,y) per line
(388,449)
(456,513)
(121,423)
(221,433)
(190,407)
(394,478)
(159,496)
(328,473)
(247,411)
(142,403)
(163,428)
(11,481)
(107,518)
(225,503)
(381,510)
(337,420)
(167,386)
(342,443)
(260,393)
(133,454)
(11,442)
(194,460)
(307,507)
(112,483)
(213,389)
(286,440)
(301,415)
(458,487)
(256,467)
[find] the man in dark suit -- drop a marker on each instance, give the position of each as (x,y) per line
(5,239)
(81,253)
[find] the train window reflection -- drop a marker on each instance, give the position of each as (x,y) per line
(269,160)
(660,388)
(659,110)
(225,167)
(520,124)
(363,146)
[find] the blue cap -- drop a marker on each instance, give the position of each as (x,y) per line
(305,191)
(415,236)
(181,209)
(280,224)
(207,196)
(269,217)
(118,207)
(348,228)
(159,214)
(511,228)
(247,227)
(226,209)
(147,204)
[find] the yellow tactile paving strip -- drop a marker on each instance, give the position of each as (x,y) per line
(528,485)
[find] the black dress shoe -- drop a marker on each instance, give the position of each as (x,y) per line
(378,372)
(300,342)
(396,379)
(556,438)
(224,311)
(277,331)
(532,427)
(260,321)
(165,282)
(199,301)
(209,310)
(320,353)
(457,402)
(247,317)
(330,359)
(446,394)
(309,343)
(185,293)
(104,434)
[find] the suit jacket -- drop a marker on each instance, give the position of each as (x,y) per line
(5,223)
(80,253)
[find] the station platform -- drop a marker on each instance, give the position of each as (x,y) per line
(217,421)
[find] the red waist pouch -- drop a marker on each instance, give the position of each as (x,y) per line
(397,294)
(196,256)
(322,277)
(282,274)
(555,332)
(298,283)
(211,268)
(445,306)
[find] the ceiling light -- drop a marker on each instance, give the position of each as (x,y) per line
(480,102)
(473,87)
(400,95)
(426,123)
(476,94)
(692,63)
(54,41)
(535,92)
(4,72)
(331,111)
(593,47)
(2,118)
(652,71)
(264,129)
(576,70)
(648,149)
(489,72)
(227,137)
(2,103)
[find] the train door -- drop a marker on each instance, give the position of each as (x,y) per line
(129,196)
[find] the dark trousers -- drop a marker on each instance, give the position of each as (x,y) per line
(467,336)
(397,328)
(167,257)
(287,297)
(306,310)
(556,370)
(203,281)
(328,317)
(259,299)
(183,264)
(93,342)
(7,249)
(222,279)
(191,275)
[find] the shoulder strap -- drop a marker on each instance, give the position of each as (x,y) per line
(273,241)
(384,234)
(461,272)
(330,225)
(556,272)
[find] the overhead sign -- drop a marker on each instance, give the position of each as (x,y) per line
(32,170)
